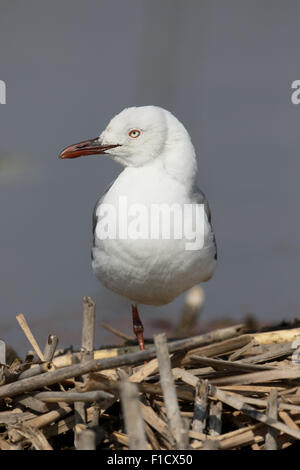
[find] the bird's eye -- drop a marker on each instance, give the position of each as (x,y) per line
(134,133)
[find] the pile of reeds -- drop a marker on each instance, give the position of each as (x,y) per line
(226,389)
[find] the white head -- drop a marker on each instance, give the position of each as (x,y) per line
(140,136)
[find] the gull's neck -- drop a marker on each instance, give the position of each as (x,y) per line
(178,155)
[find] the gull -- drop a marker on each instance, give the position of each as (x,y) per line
(160,170)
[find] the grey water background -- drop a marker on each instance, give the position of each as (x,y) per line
(225,70)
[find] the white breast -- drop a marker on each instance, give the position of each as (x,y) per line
(149,271)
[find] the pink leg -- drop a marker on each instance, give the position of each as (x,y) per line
(138,327)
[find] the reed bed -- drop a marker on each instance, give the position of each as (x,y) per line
(223,390)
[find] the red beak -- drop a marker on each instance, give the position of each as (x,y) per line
(86,147)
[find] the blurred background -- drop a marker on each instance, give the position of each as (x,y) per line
(225,70)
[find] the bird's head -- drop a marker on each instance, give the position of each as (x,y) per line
(136,136)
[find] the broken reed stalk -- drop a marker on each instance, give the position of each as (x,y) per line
(134,423)
(70,397)
(272,412)
(49,378)
(221,347)
(169,391)
(259,377)
(220,364)
(200,406)
(215,418)
(88,328)
(278,336)
(24,325)
(144,371)
(32,403)
(87,347)
(50,348)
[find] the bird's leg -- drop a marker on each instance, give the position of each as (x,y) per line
(138,327)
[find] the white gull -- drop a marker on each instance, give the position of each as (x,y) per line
(160,169)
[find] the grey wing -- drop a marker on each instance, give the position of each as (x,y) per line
(199,198)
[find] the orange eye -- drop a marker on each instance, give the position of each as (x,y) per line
(134,133)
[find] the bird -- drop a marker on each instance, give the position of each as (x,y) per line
(159,170)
